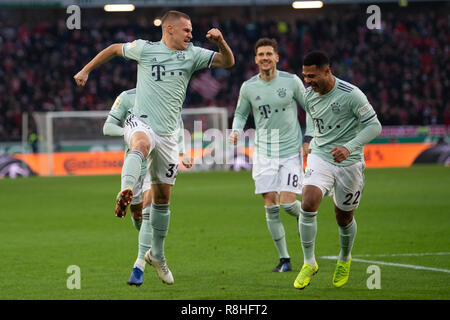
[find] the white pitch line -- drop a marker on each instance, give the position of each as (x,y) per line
(391,264)
(405,254)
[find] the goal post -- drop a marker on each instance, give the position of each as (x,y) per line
(60,131)
(74,131)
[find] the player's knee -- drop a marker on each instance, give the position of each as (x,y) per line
(287,198)
(310,204)
(136,212)
(140,142)
(343,218)
(161,199)
(311,198)
(147,198)
(270,198)
(142,145)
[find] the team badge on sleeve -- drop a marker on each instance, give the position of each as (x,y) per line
(364,109)
(116,103)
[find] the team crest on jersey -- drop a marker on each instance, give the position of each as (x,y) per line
(180,55)
(335,107)
(281,92)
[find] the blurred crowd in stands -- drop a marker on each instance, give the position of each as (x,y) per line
(403,68)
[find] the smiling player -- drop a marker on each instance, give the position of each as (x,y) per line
(344,121)
(272,95)
(164,70)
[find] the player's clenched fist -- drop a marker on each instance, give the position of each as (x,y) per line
(81,78)
(233,138)
(340,153)
(214,35)
(187,161)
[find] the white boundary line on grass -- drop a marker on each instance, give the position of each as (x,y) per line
(396,264)
(405,254)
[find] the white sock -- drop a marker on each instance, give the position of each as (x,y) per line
(140,263)
(307,225)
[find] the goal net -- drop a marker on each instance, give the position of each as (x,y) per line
(82,131)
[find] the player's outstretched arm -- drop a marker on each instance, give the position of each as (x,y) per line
(112,129)
(224,58)
(103,56)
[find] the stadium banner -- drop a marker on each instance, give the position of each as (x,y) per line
(394,154)
(110,162)
(74,163)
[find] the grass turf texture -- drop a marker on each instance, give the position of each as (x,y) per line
(218,246)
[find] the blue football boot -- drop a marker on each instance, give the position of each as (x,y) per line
(283,266)
(136,277)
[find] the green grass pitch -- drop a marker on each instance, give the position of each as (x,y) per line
(218,246)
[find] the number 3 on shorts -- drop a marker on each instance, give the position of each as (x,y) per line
(172,171)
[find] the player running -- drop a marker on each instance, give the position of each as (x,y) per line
(164,70)
(272,95)
(344,121)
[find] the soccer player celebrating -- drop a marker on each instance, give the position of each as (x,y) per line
(344,121)
(164,70)
(272,95)
(142,198)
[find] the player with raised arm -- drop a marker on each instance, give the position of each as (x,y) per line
(142,198)
(343,123)
(272,95)
(164,70)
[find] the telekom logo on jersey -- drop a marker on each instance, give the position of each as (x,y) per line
(159,71)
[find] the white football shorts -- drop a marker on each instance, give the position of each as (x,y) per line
(163,154)
(147,185)
(277,174)
(347,182)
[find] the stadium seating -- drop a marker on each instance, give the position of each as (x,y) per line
(403,68)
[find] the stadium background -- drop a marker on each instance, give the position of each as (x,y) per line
(404,69)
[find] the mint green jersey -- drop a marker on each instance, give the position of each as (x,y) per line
(274,107)
(122,108)
(337,118)
(162,79)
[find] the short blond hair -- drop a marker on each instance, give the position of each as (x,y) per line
(171,16)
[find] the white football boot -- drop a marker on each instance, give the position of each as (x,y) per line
(161,268)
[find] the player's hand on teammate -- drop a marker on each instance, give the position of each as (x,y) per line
(187,160)
(340,153)
(81,78)
(214,35)
(305,148)
(233,138)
